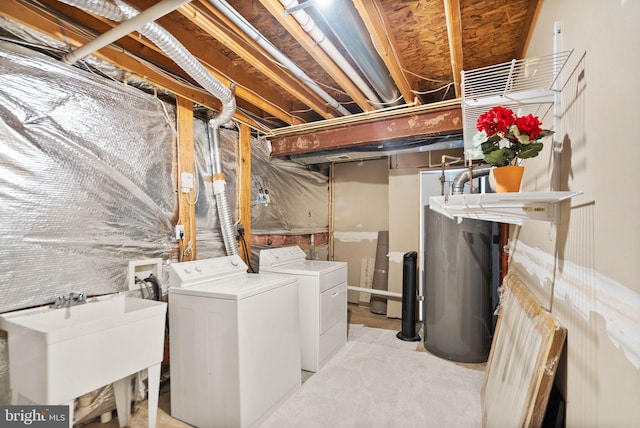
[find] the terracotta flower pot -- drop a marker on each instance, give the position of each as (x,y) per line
(508,178)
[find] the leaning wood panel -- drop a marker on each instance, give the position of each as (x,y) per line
(523,360)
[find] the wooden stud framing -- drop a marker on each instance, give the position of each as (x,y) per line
(454,31)
(244,185)
(186,165)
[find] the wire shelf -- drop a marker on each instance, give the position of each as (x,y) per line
(525,86)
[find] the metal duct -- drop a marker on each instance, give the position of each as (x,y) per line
(250,31)
(219,184)
(346,24)
(308,24)
(464,176)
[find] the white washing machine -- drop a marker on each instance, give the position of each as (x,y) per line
(234,342)
(322,292)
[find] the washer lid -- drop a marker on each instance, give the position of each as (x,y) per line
(236,288)
(306,267)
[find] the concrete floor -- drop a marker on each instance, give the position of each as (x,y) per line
(355,315)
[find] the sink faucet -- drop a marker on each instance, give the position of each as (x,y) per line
(74,298)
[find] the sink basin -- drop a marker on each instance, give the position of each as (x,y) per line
(56,355)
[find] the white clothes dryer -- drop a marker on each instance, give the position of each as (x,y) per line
(322,292)
(234,342)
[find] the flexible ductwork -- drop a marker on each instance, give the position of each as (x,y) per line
(308,24)
(178,53)
(170,46)
(251,32)
(219,184)
(465,176)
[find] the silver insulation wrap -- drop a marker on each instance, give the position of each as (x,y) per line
(87,183)
(298,199)
(86,180)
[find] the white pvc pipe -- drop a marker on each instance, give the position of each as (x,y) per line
(374,291)
(250,31)
(134,24)
(308,24)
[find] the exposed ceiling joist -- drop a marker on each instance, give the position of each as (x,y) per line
(454,32)
(382,36)
(423,45)
(218,26)
(135,43)
(49,25)
(533,9)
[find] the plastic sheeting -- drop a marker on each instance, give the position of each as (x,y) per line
(298,198)
(85,180)
(297,201)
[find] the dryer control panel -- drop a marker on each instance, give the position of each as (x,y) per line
(187,274)
(282,255)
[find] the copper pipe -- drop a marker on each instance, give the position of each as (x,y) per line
(504,255)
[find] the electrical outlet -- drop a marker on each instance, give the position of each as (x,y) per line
(179,231)
(142,269)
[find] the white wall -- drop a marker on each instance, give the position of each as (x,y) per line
(404,228)
(586,268)
(361,210)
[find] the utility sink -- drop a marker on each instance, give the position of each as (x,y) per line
(56,355)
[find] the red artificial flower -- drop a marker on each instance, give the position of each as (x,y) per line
(496,121)
(529,125)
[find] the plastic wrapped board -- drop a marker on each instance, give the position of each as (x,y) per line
(522,364)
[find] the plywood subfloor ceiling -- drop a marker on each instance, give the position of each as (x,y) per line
(418,48)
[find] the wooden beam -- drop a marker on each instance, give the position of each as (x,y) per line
(533,10)
(186,164)
(309,44)
(216,25)
(244,186)
(430,123)
(374,19)
(49,25)
(454,33)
